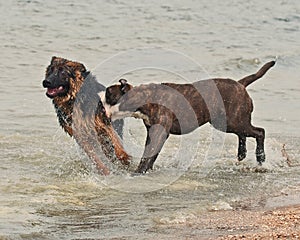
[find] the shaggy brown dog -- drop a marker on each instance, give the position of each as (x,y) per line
(80,111)
(170,108)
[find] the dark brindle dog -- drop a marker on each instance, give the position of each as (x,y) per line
(80,111)
(170,108)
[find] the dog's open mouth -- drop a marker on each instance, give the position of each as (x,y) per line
(53,92)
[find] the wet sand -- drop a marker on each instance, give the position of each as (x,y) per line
(277,222)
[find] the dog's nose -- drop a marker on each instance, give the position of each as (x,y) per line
(46,83)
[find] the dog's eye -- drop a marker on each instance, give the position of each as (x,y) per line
(65,73)
(68,73)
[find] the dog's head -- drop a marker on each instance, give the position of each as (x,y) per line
(62,76)
(114,93)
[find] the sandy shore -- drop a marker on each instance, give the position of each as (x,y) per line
(276,222)
(279,223)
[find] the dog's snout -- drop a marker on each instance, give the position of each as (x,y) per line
(46,83)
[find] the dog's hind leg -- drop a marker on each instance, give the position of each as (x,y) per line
(156,137)
(242,150)
(259,135)
(260,138)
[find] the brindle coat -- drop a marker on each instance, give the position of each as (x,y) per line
(80,112)
(170,108)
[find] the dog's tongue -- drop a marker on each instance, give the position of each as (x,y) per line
(54,91)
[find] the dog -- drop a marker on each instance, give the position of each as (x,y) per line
(80,112)
(170,108)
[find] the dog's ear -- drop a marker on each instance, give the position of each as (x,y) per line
(125,87)
(55,59)
(81,68)
(76,66)
(123,81)
(53,62)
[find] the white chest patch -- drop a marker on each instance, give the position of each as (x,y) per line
(113,112)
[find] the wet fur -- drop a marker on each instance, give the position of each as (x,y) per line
(170,108)
(82,115)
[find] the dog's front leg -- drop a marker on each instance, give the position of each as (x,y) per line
(118,125)
(156,136)
(88,148)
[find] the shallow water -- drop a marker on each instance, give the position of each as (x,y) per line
(49,189)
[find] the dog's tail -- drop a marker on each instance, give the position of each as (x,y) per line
(251,78)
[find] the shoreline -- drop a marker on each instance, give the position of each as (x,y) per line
(278,219)
(279,223)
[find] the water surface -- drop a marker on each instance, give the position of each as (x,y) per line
(49,189)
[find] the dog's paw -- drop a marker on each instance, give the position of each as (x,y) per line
(125,159)
(241,156)
(260,157)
